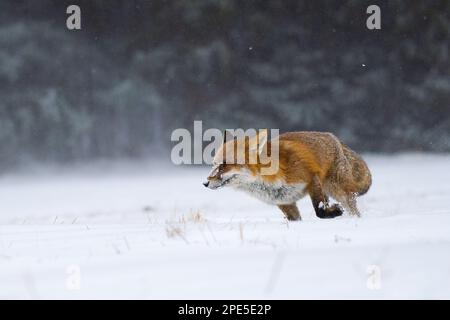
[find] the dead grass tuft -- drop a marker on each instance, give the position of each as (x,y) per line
(195,217)
(174,232)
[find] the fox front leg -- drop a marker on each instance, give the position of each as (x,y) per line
(320,201)
(290,211)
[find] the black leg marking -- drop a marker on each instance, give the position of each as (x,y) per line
(330,212)
(320,201)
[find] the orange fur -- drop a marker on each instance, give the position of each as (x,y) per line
(318,160)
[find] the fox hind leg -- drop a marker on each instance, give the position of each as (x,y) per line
(290,211)
(349,203)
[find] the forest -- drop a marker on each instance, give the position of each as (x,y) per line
(137,70)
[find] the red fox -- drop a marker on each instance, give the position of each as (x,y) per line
(314,163)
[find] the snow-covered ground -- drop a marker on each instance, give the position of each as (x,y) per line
(149,232)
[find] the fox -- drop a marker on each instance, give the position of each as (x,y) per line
(310,163)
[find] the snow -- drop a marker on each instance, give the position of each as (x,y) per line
(148,232)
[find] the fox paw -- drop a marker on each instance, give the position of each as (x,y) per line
(330,212)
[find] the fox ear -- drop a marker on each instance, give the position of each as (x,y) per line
(259,142)
(225,132)
(262,140)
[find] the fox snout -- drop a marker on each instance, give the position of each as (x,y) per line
(213,183)
(218,179)
(214,179)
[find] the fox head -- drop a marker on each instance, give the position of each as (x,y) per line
(238,161)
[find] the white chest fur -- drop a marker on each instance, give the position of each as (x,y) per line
(276,193)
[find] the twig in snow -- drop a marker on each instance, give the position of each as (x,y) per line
(210,231)
(116,249)
(241,231)
(127,243)
(275,272)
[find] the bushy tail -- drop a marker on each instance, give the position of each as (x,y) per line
(362,179)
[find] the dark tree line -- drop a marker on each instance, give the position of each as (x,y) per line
(139,69)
